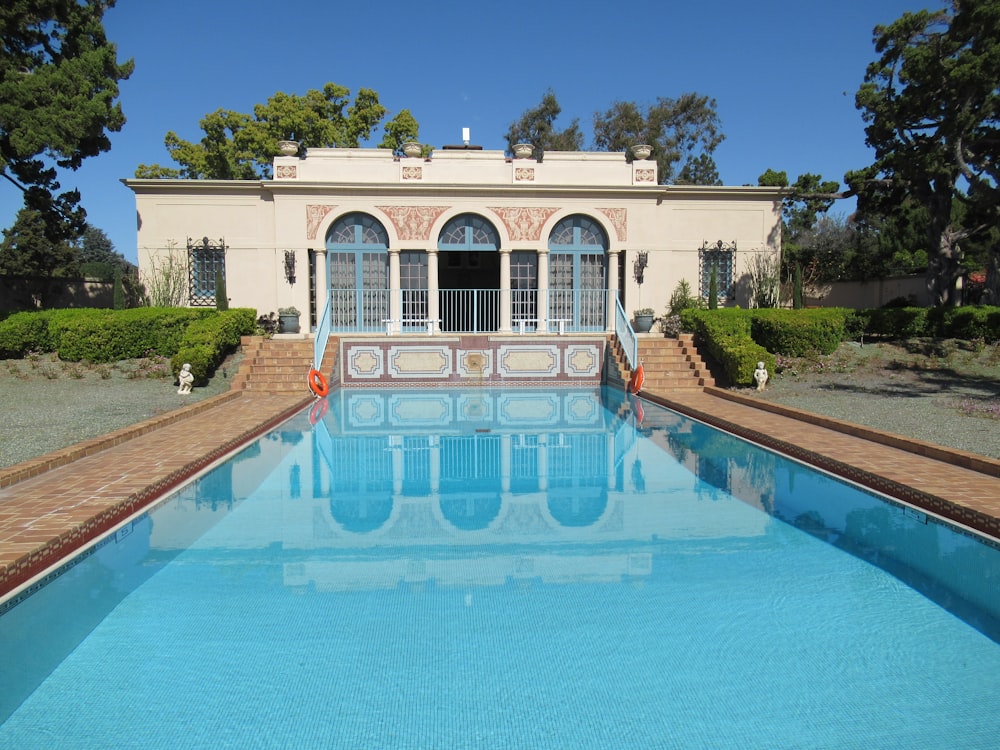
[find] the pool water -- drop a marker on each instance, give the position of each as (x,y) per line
(527,569)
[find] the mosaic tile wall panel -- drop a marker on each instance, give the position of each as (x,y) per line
(472,360)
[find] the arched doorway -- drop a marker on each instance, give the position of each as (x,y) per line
(578,275)
(358,261)
(469,275)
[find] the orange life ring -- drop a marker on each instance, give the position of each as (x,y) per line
(318,384)
(318,411)
(638,378)
(640,413)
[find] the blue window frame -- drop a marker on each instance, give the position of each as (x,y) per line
(358,260)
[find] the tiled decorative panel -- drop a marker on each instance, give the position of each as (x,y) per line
(472,360)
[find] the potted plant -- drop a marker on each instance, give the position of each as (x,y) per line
(643,318)
(288,320)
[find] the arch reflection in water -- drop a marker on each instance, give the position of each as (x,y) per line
(467,451)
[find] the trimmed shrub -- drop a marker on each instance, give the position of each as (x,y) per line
(797,333)
(968,323)
(897,322)
(726,336)
(123,334)
(207,341)
(25,332)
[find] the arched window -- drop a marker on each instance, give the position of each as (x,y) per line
(358,256)
(578,273)
(469,232)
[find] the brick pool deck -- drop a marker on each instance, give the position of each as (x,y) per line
(54,505)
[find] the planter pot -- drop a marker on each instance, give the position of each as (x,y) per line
(288,148)
(412,149)
(641,151)
(643,323)
(523,150)
(288,324)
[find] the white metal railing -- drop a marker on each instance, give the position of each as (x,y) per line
(466,310)
(625,334)
(322,335)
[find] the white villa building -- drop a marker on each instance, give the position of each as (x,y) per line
(468,241)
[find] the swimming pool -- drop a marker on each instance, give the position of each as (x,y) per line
(482,569)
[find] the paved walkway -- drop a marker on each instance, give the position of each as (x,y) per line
(52,506)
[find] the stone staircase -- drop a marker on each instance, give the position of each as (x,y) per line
(280,364)
(669,364)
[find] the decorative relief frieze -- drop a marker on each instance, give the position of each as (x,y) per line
(524,174)
(314,217)
(618,217)
(286,172)
(413,173)
(413,222)
(645,175)
(523,223)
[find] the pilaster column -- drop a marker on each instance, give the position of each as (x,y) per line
(321,292)
(543,290)
(433,301)
(395,298)
(609,313)
(505,326)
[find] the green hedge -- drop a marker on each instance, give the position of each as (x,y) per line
(798,333)
(206,342)
(967,323)
(726,335)
(123,334)
(25,332)
(199,336)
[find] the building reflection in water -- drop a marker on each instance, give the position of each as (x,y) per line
(466,487)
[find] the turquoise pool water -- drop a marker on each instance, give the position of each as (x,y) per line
(526,569)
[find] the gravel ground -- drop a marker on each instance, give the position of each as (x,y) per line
(47,404)
(936,392)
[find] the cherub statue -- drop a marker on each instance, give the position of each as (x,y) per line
(760,375)
(186,379)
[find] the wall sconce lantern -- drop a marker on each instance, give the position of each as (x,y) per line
(639,265)
(290,266)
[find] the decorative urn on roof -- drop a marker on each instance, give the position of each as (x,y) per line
(641,151)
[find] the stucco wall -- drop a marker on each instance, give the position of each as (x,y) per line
(414,198)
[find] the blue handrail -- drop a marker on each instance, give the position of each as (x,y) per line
(625,334)
(322,334)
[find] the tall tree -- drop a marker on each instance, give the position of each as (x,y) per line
(28,249)
(537,127)
(58,89)
(683,132)
(96,255)
(931,102)
(240,146)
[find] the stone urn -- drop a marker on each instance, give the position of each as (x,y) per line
(643,320)
(412,149)
(288,148)
(641,151)
(288,320)
(523,150)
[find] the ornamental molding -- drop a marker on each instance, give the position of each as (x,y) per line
(645,175)
(314,217)
(524,174)
(413,173)
(618,218)
(413,222)
(523,223)
(285,172)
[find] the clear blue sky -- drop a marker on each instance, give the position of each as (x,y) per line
(783,73)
